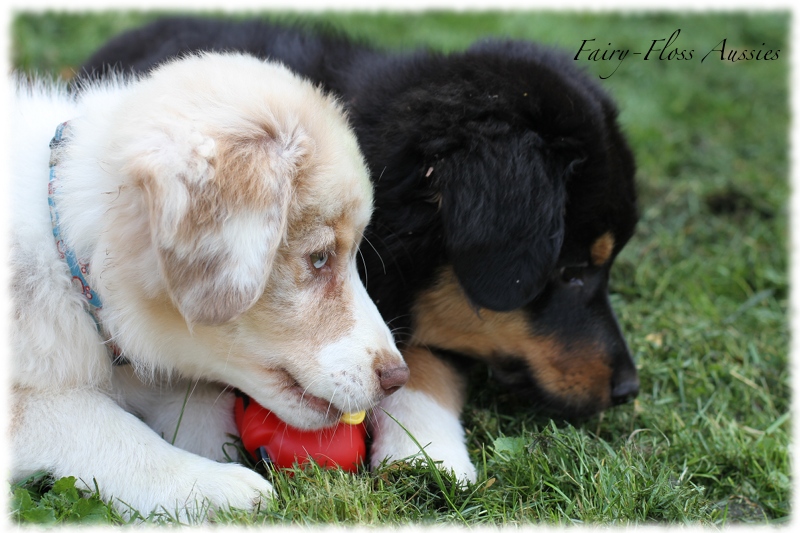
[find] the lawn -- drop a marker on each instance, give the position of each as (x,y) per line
(701,292)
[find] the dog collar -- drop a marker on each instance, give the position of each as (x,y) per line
(79,267)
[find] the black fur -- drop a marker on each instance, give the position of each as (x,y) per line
(504,161)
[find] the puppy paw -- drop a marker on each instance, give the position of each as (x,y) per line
(234,486)
(436,430)
(461,468)
(192,491)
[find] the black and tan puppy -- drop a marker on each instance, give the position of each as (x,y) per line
(504,190)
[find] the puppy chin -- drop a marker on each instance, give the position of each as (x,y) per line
(310,418)
(306,411)
(292,402)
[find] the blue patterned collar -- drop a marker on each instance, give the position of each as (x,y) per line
(78,266)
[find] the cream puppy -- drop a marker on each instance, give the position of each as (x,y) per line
(212,212)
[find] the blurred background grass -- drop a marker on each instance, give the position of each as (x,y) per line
(701,291)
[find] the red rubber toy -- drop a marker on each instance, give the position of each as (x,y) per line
(265,436)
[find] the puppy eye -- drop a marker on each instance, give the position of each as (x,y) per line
(572,275)
(318,259)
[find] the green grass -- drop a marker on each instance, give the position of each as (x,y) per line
(701,292)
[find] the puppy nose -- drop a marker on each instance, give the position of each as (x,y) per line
(625,388)
(392,377)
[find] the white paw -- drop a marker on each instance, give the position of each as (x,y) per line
(191,490)
(436,429)
(233,486)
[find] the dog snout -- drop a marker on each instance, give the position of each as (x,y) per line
(624,385)
(392,377)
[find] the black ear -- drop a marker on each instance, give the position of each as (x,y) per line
(503,218)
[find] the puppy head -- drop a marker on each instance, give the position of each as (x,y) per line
(523,194)
(234,239)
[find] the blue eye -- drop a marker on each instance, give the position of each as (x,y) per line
(318,259)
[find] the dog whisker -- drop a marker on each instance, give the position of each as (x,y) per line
(383,264)
(398,317)
(356,242)
(395,237)
(222,393)
(230,349)
(330,402)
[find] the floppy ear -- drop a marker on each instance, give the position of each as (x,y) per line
(217,212)
(503,216)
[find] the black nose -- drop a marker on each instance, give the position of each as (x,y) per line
(625,387)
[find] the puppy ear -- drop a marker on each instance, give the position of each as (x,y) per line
(503,216)
(217,211)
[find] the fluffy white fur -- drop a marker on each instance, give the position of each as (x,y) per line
(198,194)
(437,429)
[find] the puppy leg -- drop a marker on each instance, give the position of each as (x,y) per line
(196,416)
(84,433)
(428,407)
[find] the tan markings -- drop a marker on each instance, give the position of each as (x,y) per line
(384,359)
(437,379)
(294,325)
(298,310)
(602,248)
(327,312)
(305,323)
(249,173)
(229,178)
(579,374)
(301,309)
(203,275)
(444,318)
